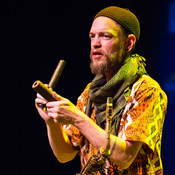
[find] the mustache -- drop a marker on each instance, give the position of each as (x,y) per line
(99,51)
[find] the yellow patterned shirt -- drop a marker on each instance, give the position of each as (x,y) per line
(142,120)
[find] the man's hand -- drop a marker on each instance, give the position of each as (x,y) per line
(60,111)
(63,111)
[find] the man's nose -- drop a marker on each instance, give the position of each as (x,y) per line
(96,43)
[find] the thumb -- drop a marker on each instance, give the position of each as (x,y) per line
(57,97)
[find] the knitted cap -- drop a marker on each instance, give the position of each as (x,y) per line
(124,17)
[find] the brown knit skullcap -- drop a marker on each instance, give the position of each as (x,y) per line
(124,17)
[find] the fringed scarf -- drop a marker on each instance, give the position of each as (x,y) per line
(119,88)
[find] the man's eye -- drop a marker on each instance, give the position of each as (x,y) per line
(106,36)
(92,36)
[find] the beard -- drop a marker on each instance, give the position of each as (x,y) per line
(110,62)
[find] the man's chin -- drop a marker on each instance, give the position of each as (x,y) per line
(98,68)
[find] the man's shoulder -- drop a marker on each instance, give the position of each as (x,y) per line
(147,84)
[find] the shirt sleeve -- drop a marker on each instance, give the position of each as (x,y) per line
(144,114)
(73,133)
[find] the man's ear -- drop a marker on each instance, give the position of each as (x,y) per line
(131,40)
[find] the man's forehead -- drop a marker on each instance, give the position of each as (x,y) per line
(104,24)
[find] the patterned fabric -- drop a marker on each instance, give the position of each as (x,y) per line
(131,70)
(142,120)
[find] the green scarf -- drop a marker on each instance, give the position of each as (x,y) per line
(119,88)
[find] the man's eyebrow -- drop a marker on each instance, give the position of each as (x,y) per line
(101,32)
(91,33)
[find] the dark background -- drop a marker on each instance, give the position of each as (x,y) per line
(34,35)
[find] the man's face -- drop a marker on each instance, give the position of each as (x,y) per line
(107,45)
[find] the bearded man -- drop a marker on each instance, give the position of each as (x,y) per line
(139,103)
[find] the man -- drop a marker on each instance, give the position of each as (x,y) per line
(139,103)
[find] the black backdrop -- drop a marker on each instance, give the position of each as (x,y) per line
(34,36)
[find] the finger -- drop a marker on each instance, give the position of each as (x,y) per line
(39,96)
(41,103)
(64,101)
(57,97)
(58,104)
(53,109)
(53,115)
(40,100)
